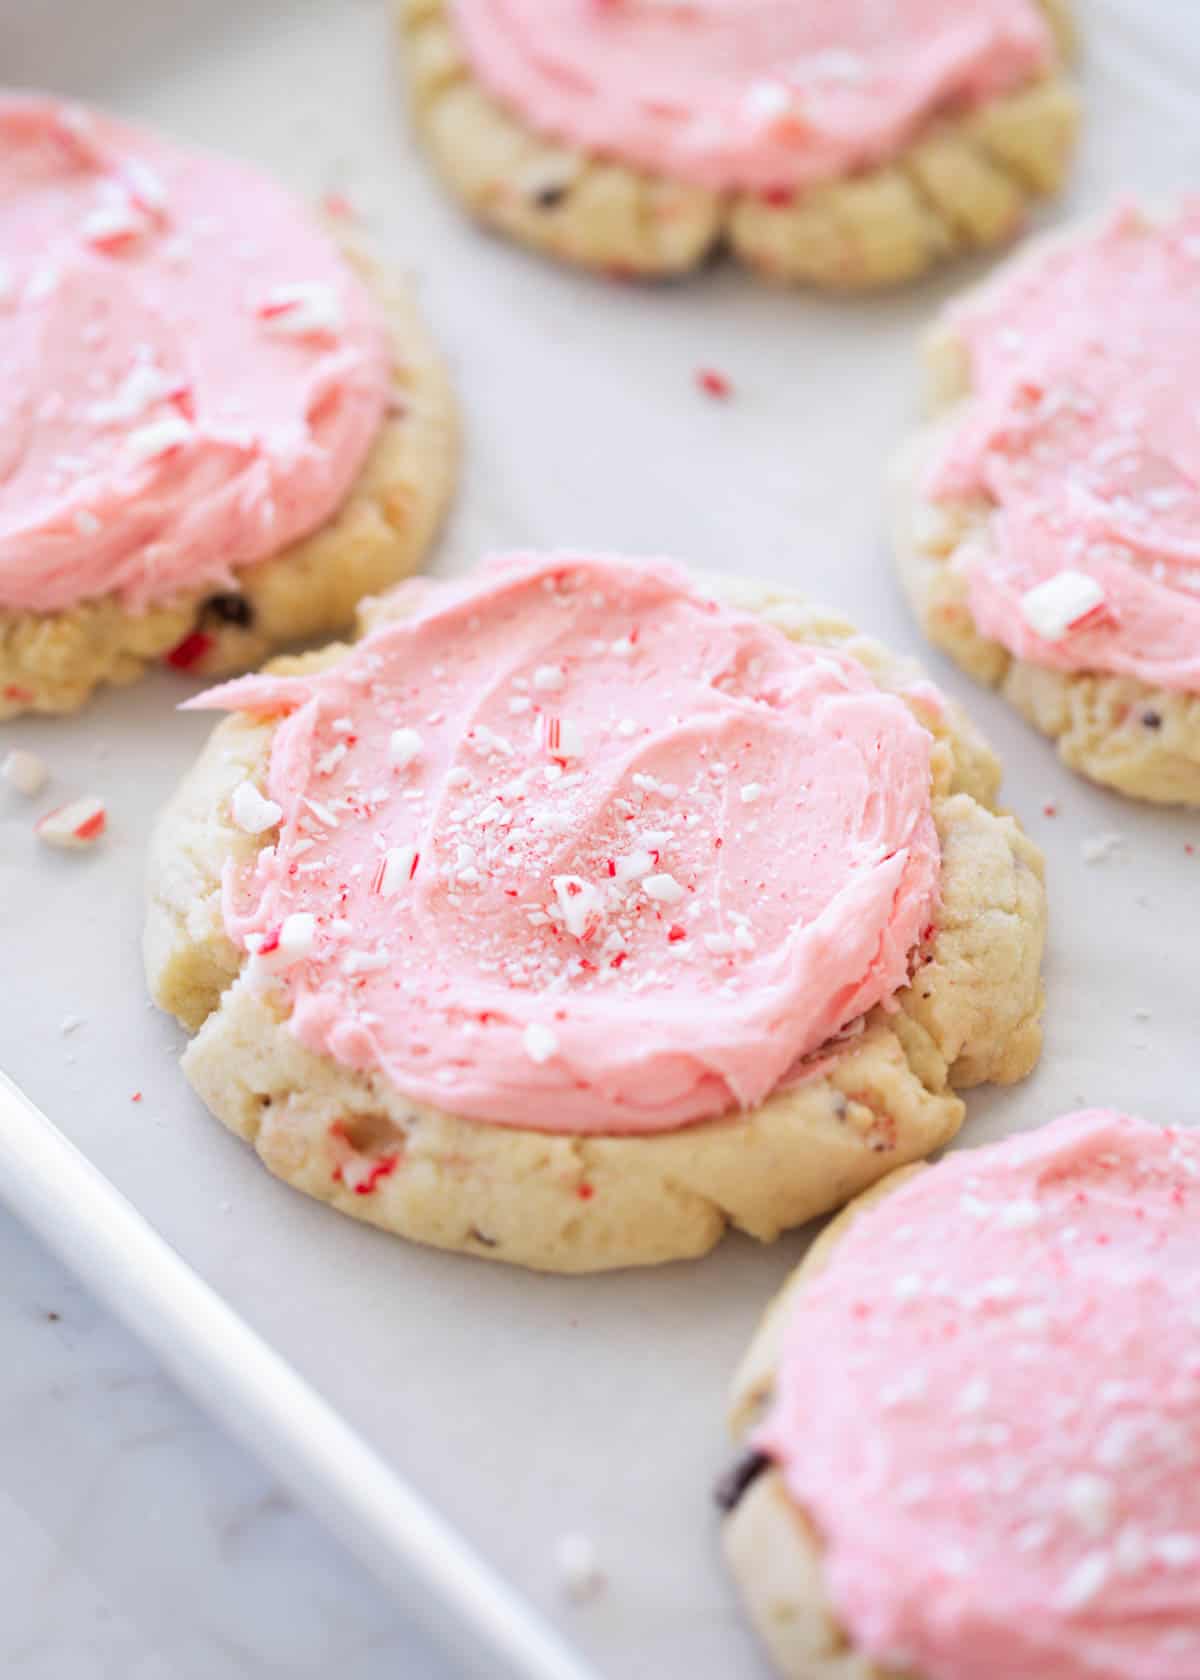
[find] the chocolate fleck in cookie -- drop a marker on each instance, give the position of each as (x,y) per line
(847,146)
(581,910)
(1047,520)
(217,430)
(973,1420)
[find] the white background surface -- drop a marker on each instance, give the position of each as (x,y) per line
(522,1405)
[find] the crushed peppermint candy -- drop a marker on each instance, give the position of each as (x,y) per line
(395,869)
(572,866)
(24,772)
(541,1043)
(110,226)
(306,309)
(74,826)
(158,439)
(1068,601)
(253,813)
(1098,848)
(405,747)
(289,943)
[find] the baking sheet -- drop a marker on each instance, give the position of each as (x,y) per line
(525,1406)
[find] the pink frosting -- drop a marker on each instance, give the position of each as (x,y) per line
(755,94)
(1084,430)
(989,1405)
(192,376)
(586,851)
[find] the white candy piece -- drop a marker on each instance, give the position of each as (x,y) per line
(141,388)
(540,1043)
(74,826)
(751,793)
(663,888)
(159,438)
(1055,607)
(146,185)
(301,310)
(24,772)
(251,812)
(561,737)
(549,678)
(578,901)
(395,871)
(404,747)
(297,935)
(577,1567)
(112,222)
(764,101)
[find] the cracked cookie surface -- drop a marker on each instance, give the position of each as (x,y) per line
(965,182)
(883,1096)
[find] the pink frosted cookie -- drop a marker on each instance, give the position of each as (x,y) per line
(216,432)
(577,912)
(848,145)
(979,1456)
(1048,520)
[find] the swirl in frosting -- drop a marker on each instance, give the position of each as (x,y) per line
(988,1405)
(574,847)
(192,375)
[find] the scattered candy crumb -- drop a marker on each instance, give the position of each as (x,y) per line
(714,384)
(1067,601)
(577,1567)
(1098,848)
(190,651)
(540,1043)
(251,812)
(24,772)
(75,825)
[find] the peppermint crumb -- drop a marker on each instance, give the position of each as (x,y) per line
(1085,1582)
(714,384)
(70,1024)
(301,309)
(577,1567)
(1061,604)
(251,812)
(24,772)
(540,1043)
(1089,1502)
(665,889)
(75,826)
(908,1287)
(404,747)
(549,678)
(751,793)
(1098,848)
